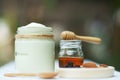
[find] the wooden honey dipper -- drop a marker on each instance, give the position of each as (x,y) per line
(68,35)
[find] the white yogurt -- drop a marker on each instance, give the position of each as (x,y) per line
(34,54)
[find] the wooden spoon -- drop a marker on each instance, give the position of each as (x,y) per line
(68,35)
(46,75)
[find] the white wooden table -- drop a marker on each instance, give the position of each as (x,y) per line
(10,67)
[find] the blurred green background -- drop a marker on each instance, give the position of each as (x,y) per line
(100,18)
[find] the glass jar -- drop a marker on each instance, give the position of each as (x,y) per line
(71,54)
(34,49)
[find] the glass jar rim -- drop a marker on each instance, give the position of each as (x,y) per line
(70,43)
(71,40)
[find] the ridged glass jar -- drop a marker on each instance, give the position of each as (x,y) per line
(71,54)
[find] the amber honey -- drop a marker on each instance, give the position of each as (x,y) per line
(65,62)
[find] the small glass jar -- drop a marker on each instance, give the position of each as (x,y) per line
(71,54)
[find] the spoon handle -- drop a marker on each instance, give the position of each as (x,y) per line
(19,74)
(94,40)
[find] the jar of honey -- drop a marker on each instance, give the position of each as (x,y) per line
(71,54)
(34,49)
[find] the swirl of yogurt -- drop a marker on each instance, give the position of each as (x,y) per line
(35,28)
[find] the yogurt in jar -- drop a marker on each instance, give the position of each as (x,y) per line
(34,49)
